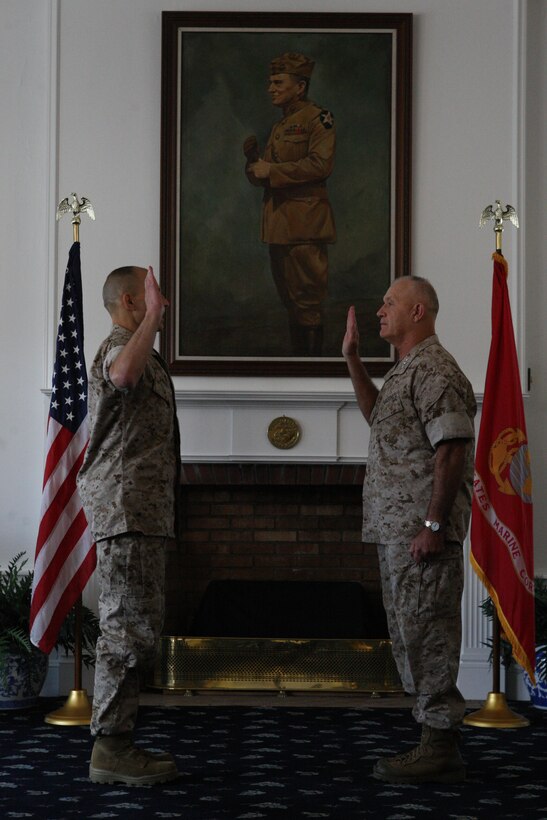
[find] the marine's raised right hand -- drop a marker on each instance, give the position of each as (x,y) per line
(350,344)
(153,297)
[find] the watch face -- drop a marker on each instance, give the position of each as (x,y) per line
(435,526)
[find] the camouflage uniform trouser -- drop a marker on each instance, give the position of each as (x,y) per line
(423,607)
(131,575)
(300,273)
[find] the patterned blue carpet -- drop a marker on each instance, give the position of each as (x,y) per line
(241,763)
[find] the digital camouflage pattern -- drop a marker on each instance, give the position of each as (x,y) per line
(425,399)
(423,608)
(131,575)
(127,484)
(127,481)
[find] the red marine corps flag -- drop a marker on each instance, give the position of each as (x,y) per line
(65,552)
(501,523)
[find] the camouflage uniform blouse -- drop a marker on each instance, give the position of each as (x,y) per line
(127,481)
(425,399)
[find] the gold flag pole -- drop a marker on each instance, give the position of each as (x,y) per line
(495,713)
(499,215)
(75,206)
(76,711)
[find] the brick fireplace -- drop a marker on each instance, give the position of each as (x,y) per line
(266,522)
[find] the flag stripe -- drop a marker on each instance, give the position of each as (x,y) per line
(49,623)
(64,447)
(56,570)
(62,524)
(65,457)
(65,553)
(58,439)
(60,501)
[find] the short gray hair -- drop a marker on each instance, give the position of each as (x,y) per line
(426,291)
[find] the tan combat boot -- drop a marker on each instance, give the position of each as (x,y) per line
(155,755)
(115,759)
(436,760)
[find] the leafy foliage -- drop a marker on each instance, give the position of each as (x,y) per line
(15,595)
(540,600)
(90,633)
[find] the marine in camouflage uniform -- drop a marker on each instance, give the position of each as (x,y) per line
(416,507)
(297,219)
(425,399)
(127,485)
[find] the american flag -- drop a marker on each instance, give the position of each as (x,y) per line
(65,552)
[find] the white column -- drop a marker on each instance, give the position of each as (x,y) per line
(475,678)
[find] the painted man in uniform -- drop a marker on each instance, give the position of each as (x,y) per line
(416,507)
(127,484)
(297,219)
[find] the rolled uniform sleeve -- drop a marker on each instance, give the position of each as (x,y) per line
(112,354)
(443,411)
(128,477)
(425,400)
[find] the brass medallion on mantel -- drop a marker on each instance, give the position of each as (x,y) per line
(284,432)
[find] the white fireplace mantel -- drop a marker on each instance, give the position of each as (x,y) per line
(232,425)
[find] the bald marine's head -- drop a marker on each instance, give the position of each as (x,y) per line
(123,296)
(129,279)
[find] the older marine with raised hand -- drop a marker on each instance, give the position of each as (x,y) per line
(416,508)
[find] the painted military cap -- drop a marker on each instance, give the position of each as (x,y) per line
(292,63)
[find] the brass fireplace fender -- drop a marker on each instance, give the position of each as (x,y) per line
(277,664)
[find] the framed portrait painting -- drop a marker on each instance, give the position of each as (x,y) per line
(285,187)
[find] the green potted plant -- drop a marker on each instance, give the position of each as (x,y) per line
(538,693)
(23,667)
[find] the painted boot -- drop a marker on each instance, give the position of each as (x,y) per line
(437,759)
(115,759)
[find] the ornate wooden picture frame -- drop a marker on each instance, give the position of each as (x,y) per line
(228,314)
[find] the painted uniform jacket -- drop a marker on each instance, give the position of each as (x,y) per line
(301,149)
(425,399)
(128,477)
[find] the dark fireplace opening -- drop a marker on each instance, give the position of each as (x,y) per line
(291,609)
(285,541)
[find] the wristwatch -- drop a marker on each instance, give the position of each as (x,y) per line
(434,526)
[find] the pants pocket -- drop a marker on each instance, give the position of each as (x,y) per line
(440,588)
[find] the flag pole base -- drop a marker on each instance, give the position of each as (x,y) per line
(76,710)
(496,714)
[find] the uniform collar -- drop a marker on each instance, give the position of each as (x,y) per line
(405,362)
(121,333)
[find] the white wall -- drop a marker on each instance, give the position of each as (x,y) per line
(464,145)
(80,90)
(25,216)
